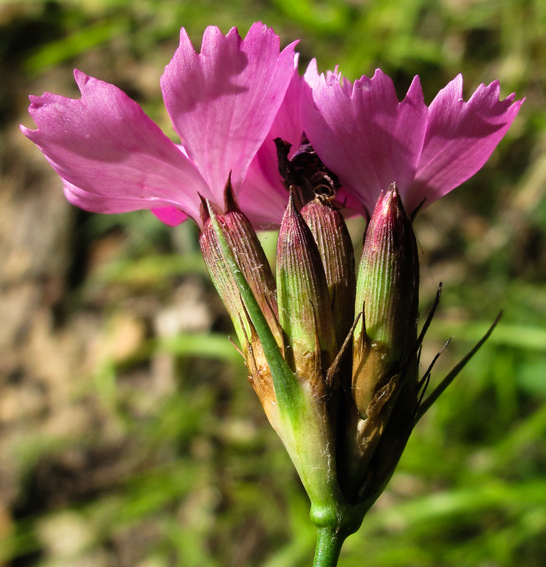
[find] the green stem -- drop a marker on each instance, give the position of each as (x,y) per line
(329,544)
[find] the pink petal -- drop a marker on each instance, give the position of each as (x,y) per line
(96,203)
(223,101)
(460,138)
(112,157)
(263,197)
(363,133)
(171,216)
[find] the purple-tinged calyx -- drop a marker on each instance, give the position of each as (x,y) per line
(305,312)
(251,260)
(288,379)
(336,251)
(384,374)
(387,292)
(314,188)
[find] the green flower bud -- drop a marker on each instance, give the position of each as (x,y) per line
(295,404)
(305,314)
(387,291)
(384,376)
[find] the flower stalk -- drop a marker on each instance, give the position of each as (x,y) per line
(329,544)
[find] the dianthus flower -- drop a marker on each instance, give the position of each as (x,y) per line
(222,103)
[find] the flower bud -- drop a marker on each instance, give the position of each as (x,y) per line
(305,314)
(336,251)
(252,262)
(387,291)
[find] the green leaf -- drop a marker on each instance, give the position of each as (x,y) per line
(425,406)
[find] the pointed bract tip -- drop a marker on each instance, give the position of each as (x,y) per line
(291,211)
(389,204)
(289,217)
(210,209)
(204,212)
(393,194)
(291,204)
(230,203)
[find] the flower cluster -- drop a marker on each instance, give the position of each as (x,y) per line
(331,351)
(230,101)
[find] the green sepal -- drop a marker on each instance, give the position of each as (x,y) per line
(305,312)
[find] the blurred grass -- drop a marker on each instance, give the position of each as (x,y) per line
(203,481)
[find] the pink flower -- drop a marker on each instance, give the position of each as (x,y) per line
(370,139)
(229,102)
(222,102)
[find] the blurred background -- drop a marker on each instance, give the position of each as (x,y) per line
(129,436)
